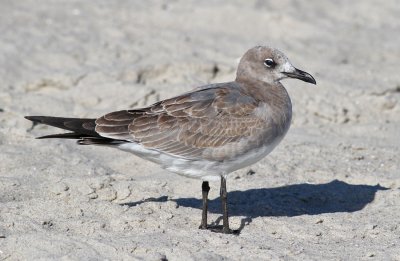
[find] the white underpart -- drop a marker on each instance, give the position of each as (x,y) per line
(201,168)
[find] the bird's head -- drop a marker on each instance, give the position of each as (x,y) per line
(269,65)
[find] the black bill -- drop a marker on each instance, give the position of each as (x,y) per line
(301,75)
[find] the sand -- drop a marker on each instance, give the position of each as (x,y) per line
(329,191)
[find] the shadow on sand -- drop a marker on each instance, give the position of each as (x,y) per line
(292,200)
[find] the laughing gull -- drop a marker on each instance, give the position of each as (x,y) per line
(207,133)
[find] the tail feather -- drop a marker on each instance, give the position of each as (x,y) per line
(79,127)
(82,129)
(70,135)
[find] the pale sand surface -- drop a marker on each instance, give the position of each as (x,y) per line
(316,197)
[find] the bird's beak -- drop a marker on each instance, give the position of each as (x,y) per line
(301,75)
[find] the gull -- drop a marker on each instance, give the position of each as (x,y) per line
(207,133)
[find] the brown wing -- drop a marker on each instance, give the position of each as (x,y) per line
(193,125)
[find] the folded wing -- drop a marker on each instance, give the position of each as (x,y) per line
(212,123)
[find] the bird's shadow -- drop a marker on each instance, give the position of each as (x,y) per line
(289,201)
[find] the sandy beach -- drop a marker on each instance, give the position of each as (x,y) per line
(329,191)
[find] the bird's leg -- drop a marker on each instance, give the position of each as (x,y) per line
(224,201)
(205,188)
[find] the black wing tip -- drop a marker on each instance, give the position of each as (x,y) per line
(32,118)
(99,141)
(38,119)
(69,135)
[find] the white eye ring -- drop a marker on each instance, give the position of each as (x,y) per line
(269,63)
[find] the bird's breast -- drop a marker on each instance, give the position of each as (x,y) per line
(277,116)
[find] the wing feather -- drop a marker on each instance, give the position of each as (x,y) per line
(189,125)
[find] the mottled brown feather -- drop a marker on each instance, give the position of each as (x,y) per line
(188,125)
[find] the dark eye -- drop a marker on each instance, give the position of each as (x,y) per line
(269,63)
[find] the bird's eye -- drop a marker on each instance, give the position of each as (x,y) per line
(269,63)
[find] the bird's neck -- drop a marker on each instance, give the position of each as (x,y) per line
(274,96)
(271,93)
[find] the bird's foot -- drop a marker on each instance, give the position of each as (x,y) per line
(203,227)
(220,229)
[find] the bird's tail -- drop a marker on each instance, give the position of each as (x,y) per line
(80,128)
